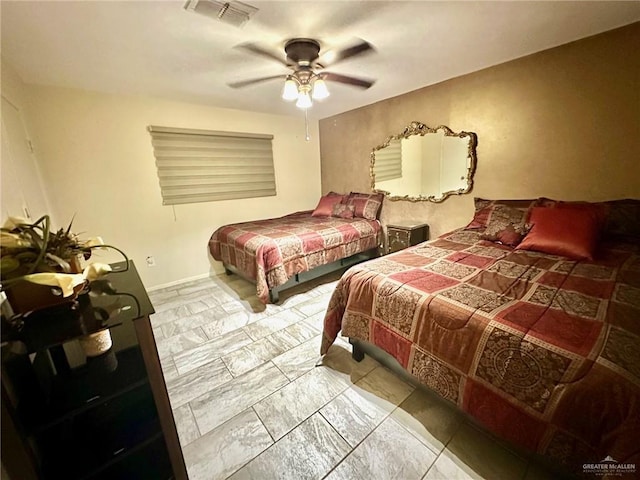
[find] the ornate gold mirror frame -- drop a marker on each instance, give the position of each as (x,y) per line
(436,161)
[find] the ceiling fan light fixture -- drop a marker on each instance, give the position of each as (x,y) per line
(306,80)
(320,89)
(290,90)
(304,97)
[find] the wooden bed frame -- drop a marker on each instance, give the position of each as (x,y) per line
(319,271)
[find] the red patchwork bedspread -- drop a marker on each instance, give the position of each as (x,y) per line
(542,350)
(272,251)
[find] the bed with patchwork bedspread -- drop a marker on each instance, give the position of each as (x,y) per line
(273,251)
(541,349)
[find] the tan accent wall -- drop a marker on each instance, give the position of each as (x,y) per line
(563,123)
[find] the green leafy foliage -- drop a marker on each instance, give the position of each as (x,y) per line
(27,248)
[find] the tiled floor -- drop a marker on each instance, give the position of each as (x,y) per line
(253,400)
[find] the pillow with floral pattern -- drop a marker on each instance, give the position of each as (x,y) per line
(342,210)
(506,225)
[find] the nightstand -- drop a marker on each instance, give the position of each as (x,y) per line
(402,235)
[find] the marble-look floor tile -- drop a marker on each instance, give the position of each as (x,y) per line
(430,418)
(316,321)
(291,298)
(186,322)
(384,388)
(301,331)
(269,325)
(197,382)
(243,360)
(169,370)
(210,350)
(214,298)
(226,401)
(484,455)
(238,293)
(389,453)
(157,333)
(450,467)
(275,344)
(179,343)
(342,399)
(185,425)
(162,296)
(221,452)
(173,304)
(239,284)
(196,286)
(259,352)
(198,293)
(226,323)
(176,311)
(259,310)
(286,408)
(339,361)
(196,306)
(308,452)
(353,416)
(313,305)
(328,287)
(233,305)
(300,359)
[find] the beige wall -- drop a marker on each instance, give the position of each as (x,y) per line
(563,123)
(97,164)
(21,179)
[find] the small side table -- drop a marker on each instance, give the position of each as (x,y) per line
(402,235)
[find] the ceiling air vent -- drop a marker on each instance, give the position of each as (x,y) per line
(233,13)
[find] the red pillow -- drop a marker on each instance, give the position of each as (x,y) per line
(569,232)
(600,210)
(326,203)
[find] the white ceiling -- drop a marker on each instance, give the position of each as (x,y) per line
(156,48)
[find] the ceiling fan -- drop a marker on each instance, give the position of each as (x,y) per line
(306,82)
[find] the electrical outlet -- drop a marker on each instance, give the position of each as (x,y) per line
(151,262)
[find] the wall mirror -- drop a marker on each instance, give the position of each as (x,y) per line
(424,163)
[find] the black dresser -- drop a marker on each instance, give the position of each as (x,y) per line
(67,415)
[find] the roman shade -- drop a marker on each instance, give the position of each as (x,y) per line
(203,165)
(388,162)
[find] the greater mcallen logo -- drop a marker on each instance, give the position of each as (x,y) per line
(609,466)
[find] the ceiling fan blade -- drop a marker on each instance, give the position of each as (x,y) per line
(356,82)
(246,83)
(358,49)
(257,50)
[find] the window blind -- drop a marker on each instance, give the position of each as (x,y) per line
(388,162)
(203,166)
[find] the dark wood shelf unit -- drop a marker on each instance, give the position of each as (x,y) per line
(66,415)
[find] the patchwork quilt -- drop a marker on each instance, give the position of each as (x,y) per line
(542,350)
(274,250)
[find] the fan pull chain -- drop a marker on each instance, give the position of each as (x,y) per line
(306,125)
